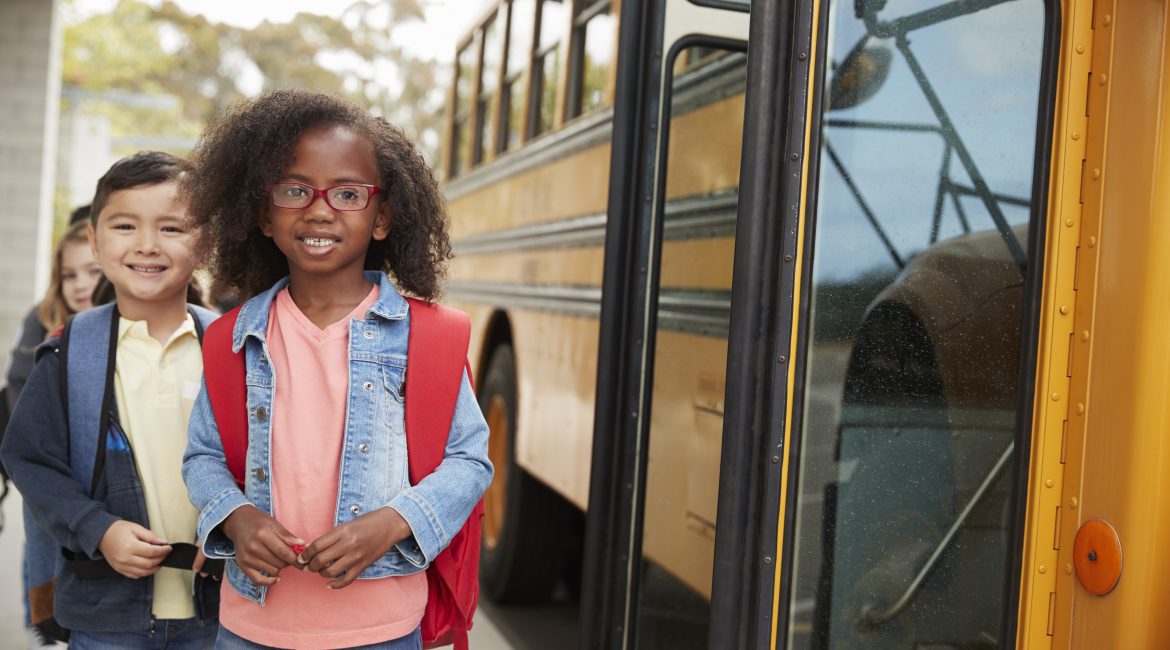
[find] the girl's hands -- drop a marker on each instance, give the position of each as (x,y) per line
(344,552)
(133,550)
(263,546)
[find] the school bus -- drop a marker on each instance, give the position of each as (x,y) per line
(845,322)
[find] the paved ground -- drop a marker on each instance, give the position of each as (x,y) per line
(12,633)
(485,636)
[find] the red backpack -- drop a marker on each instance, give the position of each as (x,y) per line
(438,348)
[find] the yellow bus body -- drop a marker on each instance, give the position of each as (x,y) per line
(1102,409)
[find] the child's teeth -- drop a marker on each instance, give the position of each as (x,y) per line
(312,241)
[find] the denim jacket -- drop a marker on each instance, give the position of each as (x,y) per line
(373,463)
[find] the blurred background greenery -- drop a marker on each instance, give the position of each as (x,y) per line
(151,75)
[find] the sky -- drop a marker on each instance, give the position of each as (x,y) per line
(446,19)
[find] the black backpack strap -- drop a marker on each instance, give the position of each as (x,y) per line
(182,556)
(99,462)
(62,349)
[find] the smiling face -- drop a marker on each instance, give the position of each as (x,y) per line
(143,245)
(321,243)
(79,275)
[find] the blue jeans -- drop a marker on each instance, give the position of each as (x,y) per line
(181,634)
(229,641)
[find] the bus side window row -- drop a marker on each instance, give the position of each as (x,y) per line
(524,70)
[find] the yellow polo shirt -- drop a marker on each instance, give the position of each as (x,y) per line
(156,385)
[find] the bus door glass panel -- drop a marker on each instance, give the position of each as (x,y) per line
(690,349)
(912,364)
(742,5)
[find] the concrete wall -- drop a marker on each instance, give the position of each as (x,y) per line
(84,152)
(30,88)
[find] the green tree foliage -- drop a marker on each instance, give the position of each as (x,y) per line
(145,51)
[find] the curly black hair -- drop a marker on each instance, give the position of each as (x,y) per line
(247,149)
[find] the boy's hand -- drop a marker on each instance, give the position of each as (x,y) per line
(133,550)
(262,544)
(344,552)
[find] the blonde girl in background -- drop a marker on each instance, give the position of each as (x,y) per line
(72,280)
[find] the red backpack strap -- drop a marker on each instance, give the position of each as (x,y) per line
(223,373)
(437,346)
(436,360)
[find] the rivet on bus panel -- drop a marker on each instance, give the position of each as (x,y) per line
(1068,222)
(1092,241)
(787,258)
(1049,483)
(1042,569)
(1080,49)
(1056,397)
(795,156)
(802,56)
(775,459)
(1076,135)
(782,359)
(1064,309)
(1068,568)
(1085,335)
(1096,173)
(1108,20)
(1080,408)
(1103,79)
(1073,502)
(767,560)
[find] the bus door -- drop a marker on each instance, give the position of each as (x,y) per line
(916,251)
(665,319)
(813,415)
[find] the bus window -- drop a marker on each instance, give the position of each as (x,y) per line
(594,37)
(489,80)
(521,21)
(460,149)
(911,377)
(690,353)
(546,66)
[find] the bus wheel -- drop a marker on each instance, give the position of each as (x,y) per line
(525,523)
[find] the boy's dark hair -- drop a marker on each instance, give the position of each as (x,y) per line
(80,213)
(247,149)
(142,168)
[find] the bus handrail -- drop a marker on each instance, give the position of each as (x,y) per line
(870,616)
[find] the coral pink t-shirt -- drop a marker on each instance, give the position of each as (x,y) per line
(308,422)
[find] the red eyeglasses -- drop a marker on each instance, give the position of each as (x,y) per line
(344,198)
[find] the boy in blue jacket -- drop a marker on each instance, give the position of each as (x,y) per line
(96,442)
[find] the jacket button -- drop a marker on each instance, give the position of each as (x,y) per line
(368,386)
(262,414)
(363,447)
(368,334)
(260,474)
(354,509)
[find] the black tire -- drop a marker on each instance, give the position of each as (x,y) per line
(523,548)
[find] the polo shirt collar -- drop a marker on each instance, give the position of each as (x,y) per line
(139,329)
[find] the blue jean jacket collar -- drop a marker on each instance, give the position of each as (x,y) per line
(253,318)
